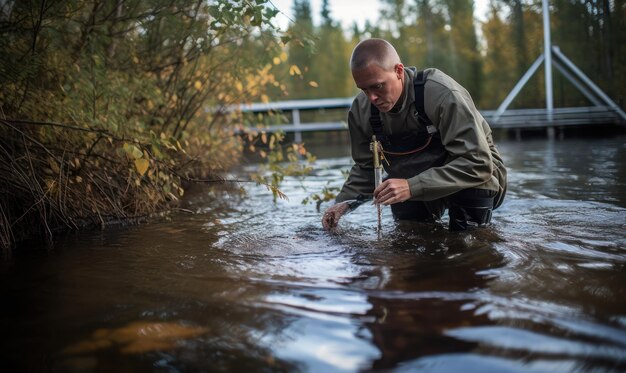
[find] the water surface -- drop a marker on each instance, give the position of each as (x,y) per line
(248,285)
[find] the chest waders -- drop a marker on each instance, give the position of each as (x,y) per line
(410,154)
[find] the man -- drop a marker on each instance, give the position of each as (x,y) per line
(439,148)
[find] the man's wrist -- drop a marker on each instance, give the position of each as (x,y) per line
(354,203)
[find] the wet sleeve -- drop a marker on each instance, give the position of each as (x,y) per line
(360,182)
(469,162)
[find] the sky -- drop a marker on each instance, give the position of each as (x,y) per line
(349,11)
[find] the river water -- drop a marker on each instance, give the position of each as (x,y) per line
(244,284)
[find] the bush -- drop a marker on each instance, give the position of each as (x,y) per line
(107,107)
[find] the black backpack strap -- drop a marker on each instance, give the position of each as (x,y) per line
(420,110)
(377,126)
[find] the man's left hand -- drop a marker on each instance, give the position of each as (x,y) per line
(392,191)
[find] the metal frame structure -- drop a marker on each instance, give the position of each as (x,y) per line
(552,55)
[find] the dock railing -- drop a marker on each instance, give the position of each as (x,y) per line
(510,119)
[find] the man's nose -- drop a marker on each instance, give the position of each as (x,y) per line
(372,97)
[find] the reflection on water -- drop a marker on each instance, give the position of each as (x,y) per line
(243,284)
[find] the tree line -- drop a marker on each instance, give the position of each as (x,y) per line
(487,57)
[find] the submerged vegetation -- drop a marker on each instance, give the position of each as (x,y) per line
(107,108)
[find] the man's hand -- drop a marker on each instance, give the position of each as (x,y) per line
(392,191)
(332,215)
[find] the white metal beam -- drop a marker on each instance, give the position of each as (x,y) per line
(580,75)
(590,96)
(518,87)
(547,47)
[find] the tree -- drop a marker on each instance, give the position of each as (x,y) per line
(592,35)
(464,49)
(330,62)
(526,32)
(106,108)
(301,50)
(499,60)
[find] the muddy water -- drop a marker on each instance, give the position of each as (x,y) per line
(243,284)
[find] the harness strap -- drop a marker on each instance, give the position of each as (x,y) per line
(420,112)
(377,126)
(410,151)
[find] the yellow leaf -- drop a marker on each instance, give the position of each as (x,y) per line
(265,99)
(276,60)
(272,141)
(239,86)
(283,56)
(294,70)
(142,165)
(132,151)
(198,85)
(313,84)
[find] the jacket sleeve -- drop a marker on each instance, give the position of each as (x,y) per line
(360,182)
(469,162)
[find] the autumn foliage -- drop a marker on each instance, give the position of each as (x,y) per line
(108,107)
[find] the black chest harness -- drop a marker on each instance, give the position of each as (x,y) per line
(403,146)
(412,152)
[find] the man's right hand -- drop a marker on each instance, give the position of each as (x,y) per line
(333,214)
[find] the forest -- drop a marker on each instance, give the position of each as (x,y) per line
(487,57)
(110,109)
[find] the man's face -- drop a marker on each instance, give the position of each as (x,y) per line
(382,88)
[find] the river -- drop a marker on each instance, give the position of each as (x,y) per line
(243,284)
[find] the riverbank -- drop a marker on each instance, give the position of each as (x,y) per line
(57,177)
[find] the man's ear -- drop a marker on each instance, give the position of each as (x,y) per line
(399,70)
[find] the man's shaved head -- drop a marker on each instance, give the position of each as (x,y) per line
(377,51)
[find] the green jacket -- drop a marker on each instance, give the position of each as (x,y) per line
(472,160)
